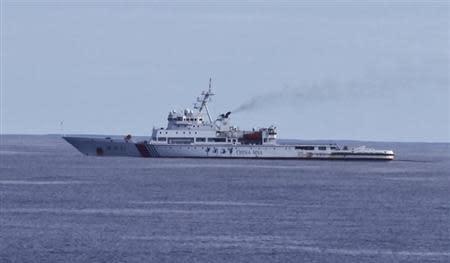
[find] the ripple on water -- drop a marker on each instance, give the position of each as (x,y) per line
(24,182)
(203,203)
(103,211)
(280,243)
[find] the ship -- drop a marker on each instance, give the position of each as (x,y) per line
(196,134)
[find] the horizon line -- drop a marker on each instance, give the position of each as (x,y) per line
(94,134)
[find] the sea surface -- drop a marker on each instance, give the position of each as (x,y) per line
(60,206)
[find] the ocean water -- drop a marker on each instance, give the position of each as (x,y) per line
(60,206)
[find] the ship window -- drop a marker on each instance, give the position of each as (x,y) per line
(181,140)
(161,139)
(307,148)
(322,148)
(201,139)
(333,148)
(217,139)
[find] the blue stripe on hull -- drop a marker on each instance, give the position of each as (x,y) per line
(152,150)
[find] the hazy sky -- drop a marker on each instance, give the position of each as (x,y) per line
(316,70)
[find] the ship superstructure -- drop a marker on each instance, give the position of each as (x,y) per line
(195,134)
(191,127)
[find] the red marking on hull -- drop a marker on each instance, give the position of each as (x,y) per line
(142,150)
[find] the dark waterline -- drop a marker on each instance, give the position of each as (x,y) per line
(60,206)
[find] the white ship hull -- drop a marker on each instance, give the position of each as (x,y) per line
(262,152)
(94,146)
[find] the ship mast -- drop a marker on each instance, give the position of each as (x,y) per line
(206,97)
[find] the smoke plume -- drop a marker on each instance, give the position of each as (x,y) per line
(312,94)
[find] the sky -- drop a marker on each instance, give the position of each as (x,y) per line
(358,70)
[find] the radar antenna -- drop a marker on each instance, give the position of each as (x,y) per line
(203,100)
(209,89)
(61,127)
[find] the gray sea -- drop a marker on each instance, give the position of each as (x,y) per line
(60,206)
